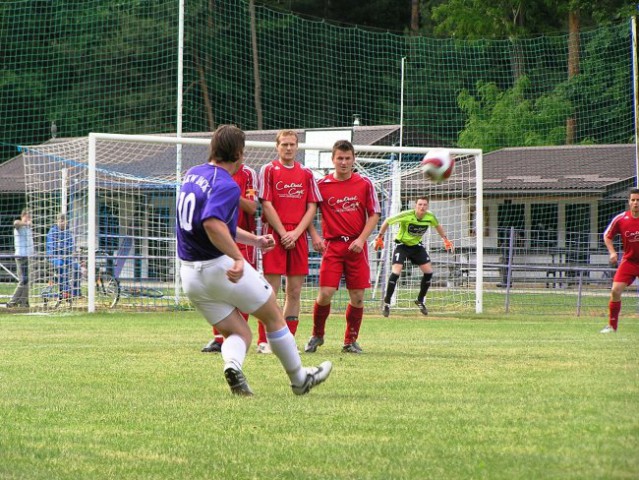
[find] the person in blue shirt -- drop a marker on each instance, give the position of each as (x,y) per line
(217,279)
(60,250)
(23,242)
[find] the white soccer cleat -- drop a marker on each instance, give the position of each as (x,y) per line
(608,329)
(314,376)
(264,348)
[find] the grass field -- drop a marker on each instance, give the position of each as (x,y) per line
(131,397)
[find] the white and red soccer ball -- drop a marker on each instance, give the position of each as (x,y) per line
(438,165)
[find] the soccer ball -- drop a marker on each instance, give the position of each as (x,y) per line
(438,165)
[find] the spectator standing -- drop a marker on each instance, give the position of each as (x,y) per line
(60,250)
(23,242)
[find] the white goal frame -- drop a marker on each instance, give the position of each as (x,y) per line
(94,137)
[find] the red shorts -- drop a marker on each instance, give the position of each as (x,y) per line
(280,261)
(249,254)
(338,260)
(626,272)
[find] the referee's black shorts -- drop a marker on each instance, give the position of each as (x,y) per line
(416,254)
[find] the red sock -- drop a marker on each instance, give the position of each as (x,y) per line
(613,317)
(219,338)
(354,317)
(261,333)
(244,316)
(320,314)
(292,323)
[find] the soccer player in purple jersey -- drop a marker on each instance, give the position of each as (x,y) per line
(215,276)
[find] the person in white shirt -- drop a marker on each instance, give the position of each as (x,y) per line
(23,241)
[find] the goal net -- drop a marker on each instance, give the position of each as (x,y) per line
(118,193)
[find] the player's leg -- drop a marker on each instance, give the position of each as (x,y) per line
(357,273)
(330,274)
(284,347)
(614,307)
(237,336)
(296,271)
(420,257)
(354,316)
(321,311)
(624,276)
(294,284)
(399,256)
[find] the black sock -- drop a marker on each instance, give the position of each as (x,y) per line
(390,288)
(424,287)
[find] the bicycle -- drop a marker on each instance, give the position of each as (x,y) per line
(140,292)
(107,288)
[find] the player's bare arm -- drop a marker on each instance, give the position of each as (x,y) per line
(609,243)
(316,240)
(219,235)
(358,244)
(248,206)
(289,238)
(263,242)
(272,218)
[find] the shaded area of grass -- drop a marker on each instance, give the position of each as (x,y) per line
(113,396)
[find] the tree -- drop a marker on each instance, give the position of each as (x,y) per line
(508,118)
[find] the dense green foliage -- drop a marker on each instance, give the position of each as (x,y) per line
(107,65)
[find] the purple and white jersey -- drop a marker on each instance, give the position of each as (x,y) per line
(207,192)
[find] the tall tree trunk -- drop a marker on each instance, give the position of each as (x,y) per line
(414,17)
(256,69)
(573,66)
(206,98)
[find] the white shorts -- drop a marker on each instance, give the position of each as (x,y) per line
(215,296)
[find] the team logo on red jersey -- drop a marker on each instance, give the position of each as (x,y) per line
(632,236)
(290,190)
(344,204)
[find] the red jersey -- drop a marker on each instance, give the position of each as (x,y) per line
(346,205)
(628,227)
(246,178)
(289,189)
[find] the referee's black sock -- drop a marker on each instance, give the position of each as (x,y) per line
(390,288)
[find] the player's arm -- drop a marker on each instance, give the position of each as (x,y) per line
(448,245)
(610,245)
(289,238)
(264,242)
(358,244)
(248,206)
(220,236)
(316,240)
(272,218)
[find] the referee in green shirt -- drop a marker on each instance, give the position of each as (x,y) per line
(413,224)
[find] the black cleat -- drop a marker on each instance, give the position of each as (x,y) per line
(352,348)
(237,382)
(422,307)
(212,347)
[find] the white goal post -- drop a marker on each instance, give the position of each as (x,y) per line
(124,187)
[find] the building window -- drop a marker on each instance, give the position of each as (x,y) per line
(543,225)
